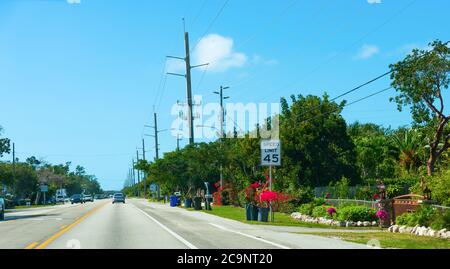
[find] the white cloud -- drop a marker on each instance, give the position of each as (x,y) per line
(259,60)
(74,2)
(374,2)
(218,51)
(367,51)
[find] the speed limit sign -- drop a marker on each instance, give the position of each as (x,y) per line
(271,153)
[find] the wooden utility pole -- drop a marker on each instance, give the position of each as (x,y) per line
(187,60)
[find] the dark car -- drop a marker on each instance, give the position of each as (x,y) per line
(118,198)
(2,209)
(77,199)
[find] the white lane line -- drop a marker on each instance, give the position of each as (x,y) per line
(177,236)
(250,236)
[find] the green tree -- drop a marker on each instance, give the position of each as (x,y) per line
(374,152)
(409,144)
(4,144)
(315,142)
(420,81)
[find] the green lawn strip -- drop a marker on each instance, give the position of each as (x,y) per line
(28,207)
(390,240)
(281,219)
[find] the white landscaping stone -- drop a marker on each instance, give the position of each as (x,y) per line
(395,229)
(402,229)
(447,235)
(359,223)
(374,223)
(432,233)
(366,224)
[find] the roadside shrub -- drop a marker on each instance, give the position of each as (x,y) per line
(441,220)
(406,219)
(426,216)
(320,211)
(306,209)
(319,201)
(363,193)
(343,188)
(357,213)
(225,198)
(440,188)
(394,190)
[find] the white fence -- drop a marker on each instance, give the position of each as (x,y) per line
(339,202)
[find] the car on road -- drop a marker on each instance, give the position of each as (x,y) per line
(76,199)
(2,209)
(88,198)
(118,198)
(60,198)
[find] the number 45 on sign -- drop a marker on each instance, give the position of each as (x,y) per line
(271,153)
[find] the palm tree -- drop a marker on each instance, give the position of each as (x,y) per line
(408,144)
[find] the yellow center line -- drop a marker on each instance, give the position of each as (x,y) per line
(67,228)
(32,245)
(62,227)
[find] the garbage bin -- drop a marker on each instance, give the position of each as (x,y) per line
(198,203)
(173,201)
(208,201)
(188,203)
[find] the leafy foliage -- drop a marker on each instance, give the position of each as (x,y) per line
(357,213)
(420,81)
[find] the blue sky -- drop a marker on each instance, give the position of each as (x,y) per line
(79,81)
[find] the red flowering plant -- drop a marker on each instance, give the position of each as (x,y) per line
(376,196)
(269,198)
(331,211)
(382,214)
(217,197)
(251,193)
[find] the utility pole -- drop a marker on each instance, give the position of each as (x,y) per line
(155,136)
(222,123)
(189,88)
(155,117)
(144,175)
(222,110)
(187,60)
(14,167)
(178,141)
(138,173)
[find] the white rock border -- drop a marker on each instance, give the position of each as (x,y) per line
(325,221)
(420,231)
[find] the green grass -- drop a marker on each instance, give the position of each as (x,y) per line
(32,206)
(281,219)
(391,240)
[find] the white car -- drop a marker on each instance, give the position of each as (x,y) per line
(88,198)
(60,199)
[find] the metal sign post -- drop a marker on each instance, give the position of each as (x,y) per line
(271,156)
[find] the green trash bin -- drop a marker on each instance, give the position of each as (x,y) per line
(198,203)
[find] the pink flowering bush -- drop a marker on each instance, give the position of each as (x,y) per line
(331,211)
(382,214)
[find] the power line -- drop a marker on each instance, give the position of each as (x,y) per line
(346,48)
(211,23)
(347,105)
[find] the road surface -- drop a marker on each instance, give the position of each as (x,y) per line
(139,224)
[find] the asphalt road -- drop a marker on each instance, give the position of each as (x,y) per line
(139,224)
